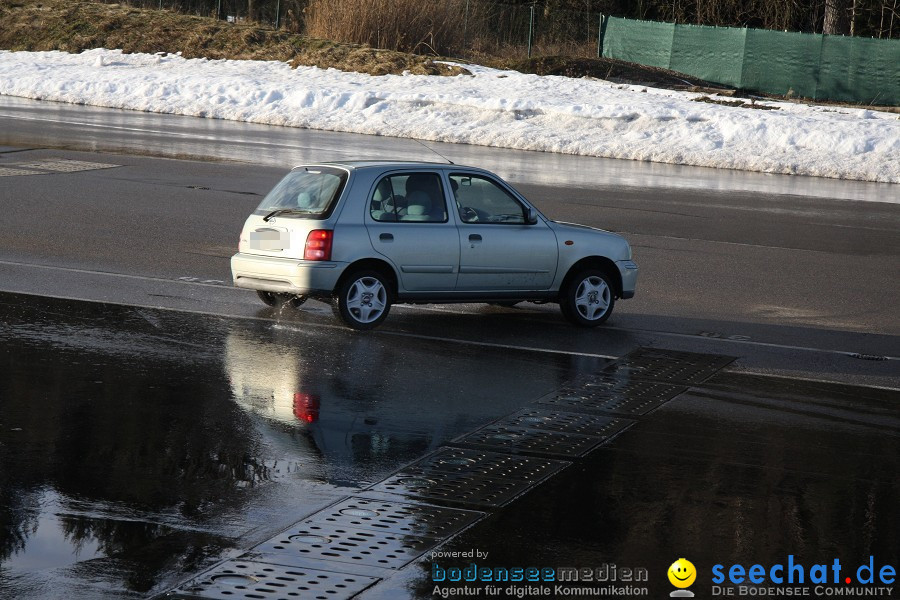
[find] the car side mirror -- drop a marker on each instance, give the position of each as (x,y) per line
(531,217)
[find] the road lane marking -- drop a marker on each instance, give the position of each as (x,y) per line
(181,281)
(402,334)
(493,345)
(849,354)
(217,283)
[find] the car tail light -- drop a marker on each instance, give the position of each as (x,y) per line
(306,407)
(318,245)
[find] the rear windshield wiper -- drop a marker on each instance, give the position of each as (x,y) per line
(290,211)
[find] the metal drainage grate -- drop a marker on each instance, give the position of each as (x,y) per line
(245,579)
(63,165)
(614,394)
(10,172)
(460,460)
(325,542)
(500,436)
(396,517)
(470,477)
(669,365)
(569,422)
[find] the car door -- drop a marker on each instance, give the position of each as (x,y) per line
(408,224)
(499,249)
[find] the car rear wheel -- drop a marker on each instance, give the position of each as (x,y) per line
(276,300)
(588,299)
(363,300)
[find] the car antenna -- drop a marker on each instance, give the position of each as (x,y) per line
(433,150)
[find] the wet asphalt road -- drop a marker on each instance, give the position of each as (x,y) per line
(794,285)
(172,421)
(140,446)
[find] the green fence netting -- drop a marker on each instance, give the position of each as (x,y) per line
(822,67)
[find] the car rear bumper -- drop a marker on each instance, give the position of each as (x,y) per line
(287,275)
(629,271)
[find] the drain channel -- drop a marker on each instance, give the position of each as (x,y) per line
(64,165)
(406,519)
(241,579)
(613,394)
(546,432)
(367,532)
(461,475)
(669,365)
(344,545)
(569,422)
(531,440)
(9,172)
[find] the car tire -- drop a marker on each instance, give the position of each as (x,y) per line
(588,299)
(363,300)
(298,301)
(270,298)
(276,299)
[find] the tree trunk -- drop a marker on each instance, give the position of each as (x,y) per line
(836,21)
(891,27)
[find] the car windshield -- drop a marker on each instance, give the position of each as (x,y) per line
(308,192)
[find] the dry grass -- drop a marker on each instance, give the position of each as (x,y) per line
(76,25)
(403,25)
(609,69)
(736,103)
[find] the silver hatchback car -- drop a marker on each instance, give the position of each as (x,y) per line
(367,234)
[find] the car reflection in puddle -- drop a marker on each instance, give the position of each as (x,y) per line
(138,446)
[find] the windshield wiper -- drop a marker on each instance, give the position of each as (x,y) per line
(289,211)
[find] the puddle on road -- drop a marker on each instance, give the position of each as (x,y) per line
(54,536)
(138,446)
(739,469)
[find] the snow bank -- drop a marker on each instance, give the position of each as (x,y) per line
(491,108)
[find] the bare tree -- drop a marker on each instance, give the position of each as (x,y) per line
(836,21)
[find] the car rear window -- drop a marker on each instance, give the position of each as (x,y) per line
(306,193)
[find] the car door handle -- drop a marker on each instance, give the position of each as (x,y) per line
(474,238)
(386,237)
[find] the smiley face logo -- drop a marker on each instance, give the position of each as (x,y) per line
(682,573)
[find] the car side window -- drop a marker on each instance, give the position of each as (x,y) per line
(480,199)
(409,198)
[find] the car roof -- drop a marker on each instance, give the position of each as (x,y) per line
(357,165)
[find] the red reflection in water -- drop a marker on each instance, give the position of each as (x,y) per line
(306,407)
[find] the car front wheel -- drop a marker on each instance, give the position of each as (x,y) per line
(363,300)
(588,299)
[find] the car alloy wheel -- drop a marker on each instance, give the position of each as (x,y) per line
(589,299)
(363,300)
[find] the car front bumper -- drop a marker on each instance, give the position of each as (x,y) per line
(629,271)
(284,275)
